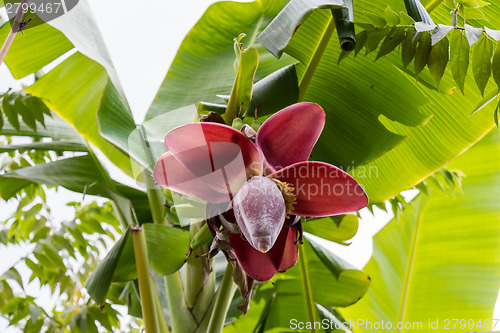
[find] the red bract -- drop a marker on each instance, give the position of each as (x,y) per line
(220,164)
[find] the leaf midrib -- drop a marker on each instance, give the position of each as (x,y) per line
(409,272)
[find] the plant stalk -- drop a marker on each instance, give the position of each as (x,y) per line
(146,286)
(182,319)
(159,314)
(13,32)
(306,283)
(222,302)
(199,285)
(318,53)
(155,203)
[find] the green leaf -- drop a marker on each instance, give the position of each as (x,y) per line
(473,13)
(408,49)
(115,121)
(336,231)
(366,26)
(438,59)
(274,92)
(99,281)
(391,16)
(374,38)
(393,39)
(285,301)
(247,61)
(328,259)
(74,90)
(377,20)
(55,128)
(180,90)
(495,65)
(202,237)
(25,113)
(9,109)
(388,148)
(422,53)
(481,62)
(277,35)
(19,59)
(163,259)
(350,285)
(406,19)
(335,324)
(431,255)
(344,106)
(215,59)
(52,254)
(75,87)
(275,306)
(13,274)
(79,174)
(30,108)
(166,259)
(10,186)
(361,39)
(459,58)
(58,146)
(76,174)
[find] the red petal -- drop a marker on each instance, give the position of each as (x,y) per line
(257,265)
(289,136)
(206,147)
(291,250)
(172,174)
(262,266)
(322,189)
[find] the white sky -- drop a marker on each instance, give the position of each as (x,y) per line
(142,51)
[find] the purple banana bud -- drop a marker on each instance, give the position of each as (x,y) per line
(259,209)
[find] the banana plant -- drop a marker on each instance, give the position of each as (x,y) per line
(231,225)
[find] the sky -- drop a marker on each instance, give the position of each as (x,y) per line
(142,48)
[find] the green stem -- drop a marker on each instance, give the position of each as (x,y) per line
(230,113)
(306,283)
(318,53)
(154,199)
(222,302)
(199,290)
(432,5)
(146,286)
(159,314)
(182,319)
